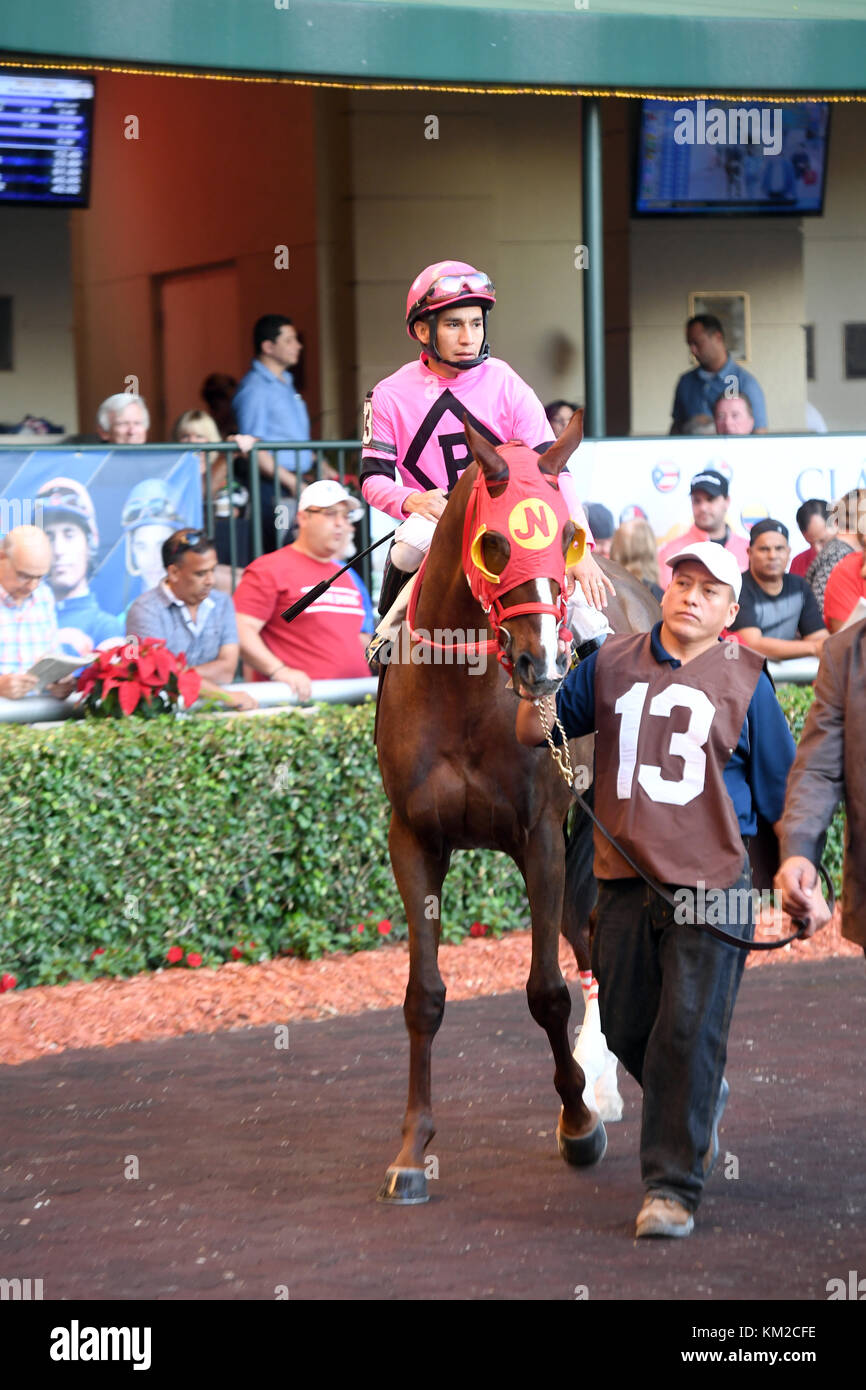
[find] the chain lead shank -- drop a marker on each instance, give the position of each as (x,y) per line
(561,755)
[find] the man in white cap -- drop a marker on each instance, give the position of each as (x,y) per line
(693,746)
(326,641)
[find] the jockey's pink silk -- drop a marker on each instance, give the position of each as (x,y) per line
(413,431)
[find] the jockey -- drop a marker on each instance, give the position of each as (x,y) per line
(414,446)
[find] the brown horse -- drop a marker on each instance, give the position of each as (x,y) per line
(457,778)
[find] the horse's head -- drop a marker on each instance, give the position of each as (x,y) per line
(517,538)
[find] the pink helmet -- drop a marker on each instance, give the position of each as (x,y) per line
(449,282)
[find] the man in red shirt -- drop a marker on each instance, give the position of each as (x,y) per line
(846,585)
(324,642)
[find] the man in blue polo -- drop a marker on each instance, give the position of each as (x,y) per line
(717,374)
(193,617)
(267,406)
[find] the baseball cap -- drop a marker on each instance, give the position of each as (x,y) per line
(601,522)
(767,524)
(711,482)
(327,492)
(720,563)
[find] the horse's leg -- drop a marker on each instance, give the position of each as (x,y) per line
(580,1132)
(591,1051)
(420,875)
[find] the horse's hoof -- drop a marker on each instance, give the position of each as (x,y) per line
(404,1187)
(581,1153)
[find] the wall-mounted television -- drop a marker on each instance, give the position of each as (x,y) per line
(707,158)
(46,129)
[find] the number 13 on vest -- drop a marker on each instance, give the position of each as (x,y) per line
(687,744)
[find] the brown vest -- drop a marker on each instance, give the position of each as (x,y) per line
(665,735)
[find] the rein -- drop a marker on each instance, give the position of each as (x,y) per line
(562,758)
(489,646)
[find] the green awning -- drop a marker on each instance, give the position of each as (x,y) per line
(747,47)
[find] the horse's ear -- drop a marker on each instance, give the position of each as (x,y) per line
(556,457)
(492,466)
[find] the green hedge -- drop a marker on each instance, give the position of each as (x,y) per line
(123,840)
(129,838)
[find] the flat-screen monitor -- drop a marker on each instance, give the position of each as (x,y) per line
(46,127)
(707,158)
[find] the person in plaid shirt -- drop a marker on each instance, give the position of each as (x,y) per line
(28,625)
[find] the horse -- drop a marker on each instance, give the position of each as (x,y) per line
(456,778)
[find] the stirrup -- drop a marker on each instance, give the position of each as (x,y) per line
(378,649)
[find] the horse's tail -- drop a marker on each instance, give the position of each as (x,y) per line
(581,889)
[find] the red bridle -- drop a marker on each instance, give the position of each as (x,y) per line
(531,518)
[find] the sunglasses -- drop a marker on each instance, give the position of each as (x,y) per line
(185,540)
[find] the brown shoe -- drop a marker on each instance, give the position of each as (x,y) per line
(663,1216)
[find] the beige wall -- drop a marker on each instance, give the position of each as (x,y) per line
(669,258)
(35,271)
(835,271)
(500,188)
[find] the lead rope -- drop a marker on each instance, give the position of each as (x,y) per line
(562,757)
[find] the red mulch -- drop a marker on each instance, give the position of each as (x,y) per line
(169,1003)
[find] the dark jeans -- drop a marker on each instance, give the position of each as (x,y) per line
(666,997)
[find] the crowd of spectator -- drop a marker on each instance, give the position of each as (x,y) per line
(185,577)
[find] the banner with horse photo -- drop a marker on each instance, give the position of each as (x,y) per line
(106,515)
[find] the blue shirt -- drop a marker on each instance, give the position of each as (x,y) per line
(698,391)
(369,623)
(757,770)
(269,407)
(85,613)
(158,613)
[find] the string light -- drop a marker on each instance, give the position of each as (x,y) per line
(459,88)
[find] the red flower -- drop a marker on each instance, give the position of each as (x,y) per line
(188,685)
(7,982)
(478,929)
(384,927)
(193,959)
(129,694)
(360,927)
(100,951)
(236,953)
(174,953)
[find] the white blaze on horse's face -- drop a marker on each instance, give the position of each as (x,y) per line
(545,665)
(549,639)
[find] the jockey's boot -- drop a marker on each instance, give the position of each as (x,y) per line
(587,648)
(380,644)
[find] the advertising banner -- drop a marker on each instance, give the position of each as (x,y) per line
(767,476)
(106,515)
